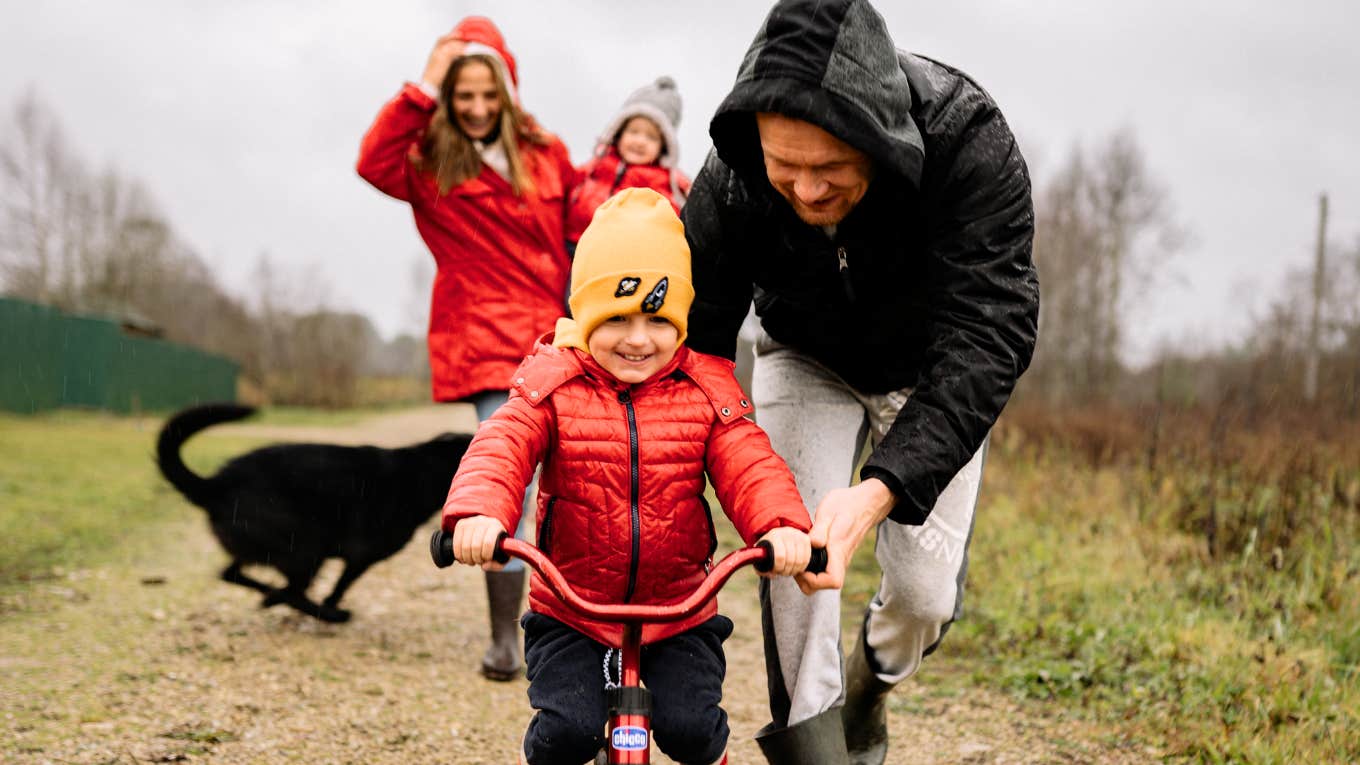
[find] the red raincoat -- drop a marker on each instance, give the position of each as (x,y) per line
(501,259)
(625,525)
(605,175)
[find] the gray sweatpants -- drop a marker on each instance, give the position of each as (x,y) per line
(818,424)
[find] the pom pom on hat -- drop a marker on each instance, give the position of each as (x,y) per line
(632,258)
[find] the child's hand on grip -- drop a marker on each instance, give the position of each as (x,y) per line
(474,541)
(791,548)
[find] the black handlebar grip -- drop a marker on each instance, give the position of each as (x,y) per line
(501,556)
(817,564)
(765,564)
(441,548)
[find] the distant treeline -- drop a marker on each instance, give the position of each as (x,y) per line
(96,243)
(1105,232)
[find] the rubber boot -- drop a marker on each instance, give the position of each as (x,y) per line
(817,740)
(504,594)
(865,713)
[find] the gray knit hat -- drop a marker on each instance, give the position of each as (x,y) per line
(658,102)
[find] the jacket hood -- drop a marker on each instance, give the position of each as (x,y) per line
(484,38)
(830,63)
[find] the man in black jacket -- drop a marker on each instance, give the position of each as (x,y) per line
(876,208)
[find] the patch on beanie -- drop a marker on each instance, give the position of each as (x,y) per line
(657,297)
(627,286)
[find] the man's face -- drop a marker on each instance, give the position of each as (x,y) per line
(821,176)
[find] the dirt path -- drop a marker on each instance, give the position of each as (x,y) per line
(154,660)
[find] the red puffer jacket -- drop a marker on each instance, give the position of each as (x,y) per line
(605,175)
(501,259)
(620,500)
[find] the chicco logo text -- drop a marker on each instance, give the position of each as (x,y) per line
(628,737)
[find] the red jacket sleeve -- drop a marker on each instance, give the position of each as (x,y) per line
(571,176)
(755,487)
(385,152)
(498,465)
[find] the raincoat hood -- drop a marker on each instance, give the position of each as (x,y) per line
(830,63)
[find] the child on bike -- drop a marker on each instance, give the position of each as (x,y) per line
(638,148)
(626,421)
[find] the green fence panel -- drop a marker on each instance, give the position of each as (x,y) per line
(87,348)
(30,356)
(50,359)
(183,376)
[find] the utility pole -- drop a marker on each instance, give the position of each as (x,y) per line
(1310,369)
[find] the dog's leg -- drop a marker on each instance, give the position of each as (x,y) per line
(294,594)
(235,575)
(297,600)
(353,570)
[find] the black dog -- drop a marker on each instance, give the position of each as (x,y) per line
(292,506)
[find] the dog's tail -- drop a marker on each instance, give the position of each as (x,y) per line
(177,430)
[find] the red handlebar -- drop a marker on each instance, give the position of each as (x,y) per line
(632,613)
(441,549)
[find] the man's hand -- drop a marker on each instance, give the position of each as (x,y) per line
(474,541)
(791,549)
(840,524)
(446,49)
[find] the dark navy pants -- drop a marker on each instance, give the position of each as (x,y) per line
(566,685)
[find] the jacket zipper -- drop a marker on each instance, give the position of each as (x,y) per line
(618,176)
(844,263)
(633,493)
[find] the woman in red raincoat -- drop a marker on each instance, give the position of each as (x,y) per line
(488,190)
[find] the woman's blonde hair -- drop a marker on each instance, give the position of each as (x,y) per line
(447,153)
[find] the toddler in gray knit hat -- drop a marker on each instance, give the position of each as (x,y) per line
(637,148)
(643,130)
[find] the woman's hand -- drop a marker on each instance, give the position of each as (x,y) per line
(474,541)
(446,49)
(792,551)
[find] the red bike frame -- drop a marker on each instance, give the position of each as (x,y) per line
(629,732)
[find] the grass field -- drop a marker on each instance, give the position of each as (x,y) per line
(80,488)
(1088,589)
(1088,596)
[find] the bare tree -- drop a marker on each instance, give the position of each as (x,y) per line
(38,183)
(1313,320)
(98,243)
(1104,227)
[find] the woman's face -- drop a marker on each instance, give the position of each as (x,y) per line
(640,141)
(476,100)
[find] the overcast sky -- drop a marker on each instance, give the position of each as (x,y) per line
(243,119)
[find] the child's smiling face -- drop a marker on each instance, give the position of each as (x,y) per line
(640,141)
(635,346)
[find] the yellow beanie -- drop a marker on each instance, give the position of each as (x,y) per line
(632,258)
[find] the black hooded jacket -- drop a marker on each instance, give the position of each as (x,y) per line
(929,281)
